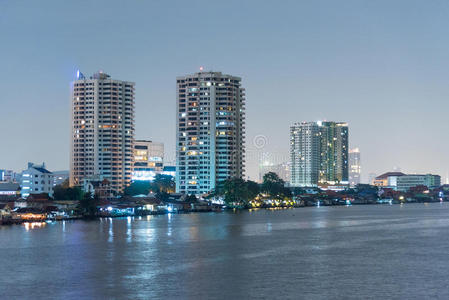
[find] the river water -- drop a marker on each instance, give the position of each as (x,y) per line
(358,252)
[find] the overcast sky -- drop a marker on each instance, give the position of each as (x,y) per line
(382,66)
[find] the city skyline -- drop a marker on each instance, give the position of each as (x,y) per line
(384,72)
(200,149)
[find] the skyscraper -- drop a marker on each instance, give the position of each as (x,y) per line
(210,132)
(354,167)
(102,130)
(319,153)
(333,152)
(304,154)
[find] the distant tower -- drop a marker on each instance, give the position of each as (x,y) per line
(102,130)
(354,167)
(210,115)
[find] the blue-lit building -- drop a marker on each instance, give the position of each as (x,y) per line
(148,160)
(36,179)
(169,170)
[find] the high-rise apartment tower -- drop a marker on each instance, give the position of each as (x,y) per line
(304,154)
(102,130)
(210,114)
(318,153)
(333,152)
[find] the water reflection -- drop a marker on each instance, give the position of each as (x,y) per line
(34,225)
(111,231)
(260,254)
(128,229)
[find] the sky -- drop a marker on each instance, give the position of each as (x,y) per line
(381,66)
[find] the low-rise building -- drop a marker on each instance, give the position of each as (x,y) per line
(404,183)
(36,179)
(100,188)
(148,160)
(30,214)
(388,179)
(9,191)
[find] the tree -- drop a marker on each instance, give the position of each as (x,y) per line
(249,191)
(232,190)
(275,186)
(64,192)
(160,184)
(253,189)
(163,183)
(237,191)
(138,188)
(65,184)
(88,205)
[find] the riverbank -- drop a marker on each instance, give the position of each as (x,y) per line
(108,213)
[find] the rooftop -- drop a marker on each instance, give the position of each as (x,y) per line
(42,170)
(389,174)
(9,186)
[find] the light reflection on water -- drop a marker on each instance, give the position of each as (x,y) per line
(33,225)
(357,248)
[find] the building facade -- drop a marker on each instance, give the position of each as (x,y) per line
(388,180)
(355,169)
(305,154)
(102,130)
(319,154)
(404,183)
(148,160)
(333,153)
(36,179)
(210,114)
(9,191)
(169,171)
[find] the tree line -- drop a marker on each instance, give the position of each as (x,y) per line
(237,192)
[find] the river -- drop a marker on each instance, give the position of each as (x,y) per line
(357,252)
